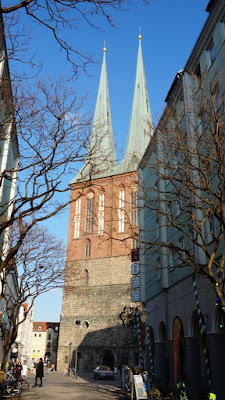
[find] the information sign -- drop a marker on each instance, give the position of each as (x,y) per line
(141,388)
(135,282)
(135,269)
(135,295)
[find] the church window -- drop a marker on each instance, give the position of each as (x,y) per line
(88,248)
(121,211)
(134,207)
(90,213)
(101,208)
(85,277)
(77,218)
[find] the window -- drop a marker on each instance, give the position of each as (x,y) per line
(134,207)
(182,247)
(77,218)
(121,211)
(170,260)
(90,213)
(214,221)
(49,336)
(39,327)
(56,328)
(88,248)
(101,214)
(35,335)
(39,335)
(212,52)
(198,71)
(135,242)
(85,277)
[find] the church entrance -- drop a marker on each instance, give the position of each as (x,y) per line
(108,358)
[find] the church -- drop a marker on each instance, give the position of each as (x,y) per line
(103,231)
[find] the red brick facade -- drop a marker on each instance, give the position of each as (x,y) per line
(98,282)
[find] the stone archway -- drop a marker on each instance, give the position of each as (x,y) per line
(107,358)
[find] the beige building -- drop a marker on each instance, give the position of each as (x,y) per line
(38,341)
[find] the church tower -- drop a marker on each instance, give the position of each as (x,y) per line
(103,228)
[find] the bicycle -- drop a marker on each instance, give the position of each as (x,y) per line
(11,386)
(24,384)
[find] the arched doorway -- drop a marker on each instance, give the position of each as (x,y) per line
(108,358)
(198,366)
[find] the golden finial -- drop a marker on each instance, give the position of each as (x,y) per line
(104,48)
(139,36)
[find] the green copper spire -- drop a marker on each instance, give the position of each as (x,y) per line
(141,128)
(101,157)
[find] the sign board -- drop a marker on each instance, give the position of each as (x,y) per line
(135,282)
(135,295)
(134,255)
(142,389)
(135,269)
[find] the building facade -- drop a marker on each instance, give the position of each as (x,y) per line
(24,335)
(44,342)
(9,156)
(180,229)
(103,228)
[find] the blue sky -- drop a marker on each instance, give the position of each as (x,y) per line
(169,29)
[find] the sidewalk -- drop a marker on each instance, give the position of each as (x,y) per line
(58,386)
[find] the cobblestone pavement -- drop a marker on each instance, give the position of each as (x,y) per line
(58,386)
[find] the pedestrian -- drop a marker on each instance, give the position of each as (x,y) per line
(39,372)
(18,370)
(48,366)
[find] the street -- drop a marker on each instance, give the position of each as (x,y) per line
(58,386)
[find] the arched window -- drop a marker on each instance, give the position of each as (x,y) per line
(90,212)
(121,211)
(134,207)
(162,332)
(85,277)
(88,248)
(101,209)
(77,218)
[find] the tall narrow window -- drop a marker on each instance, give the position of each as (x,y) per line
(121,211)
(212,52)
(101,209)
(90,213)
(135,242)
(77,218)
(85,277)
(88,248)
(134,207)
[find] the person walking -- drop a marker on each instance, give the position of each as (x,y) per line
(39,372)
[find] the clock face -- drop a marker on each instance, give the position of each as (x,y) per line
(90,195)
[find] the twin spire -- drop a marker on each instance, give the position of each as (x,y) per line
(101,156)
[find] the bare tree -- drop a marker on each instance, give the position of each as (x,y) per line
(39,267)
(58,17)
(185,191)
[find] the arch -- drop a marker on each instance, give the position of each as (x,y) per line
(88,248)
(179,349)
(162,332)
(85,277)
(85,323)
(107,358)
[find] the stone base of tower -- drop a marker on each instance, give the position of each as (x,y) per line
(119,345)
(90,315)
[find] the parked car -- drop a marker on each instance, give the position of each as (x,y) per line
(103,372)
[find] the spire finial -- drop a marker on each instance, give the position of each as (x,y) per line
(104,48)
(139,36)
